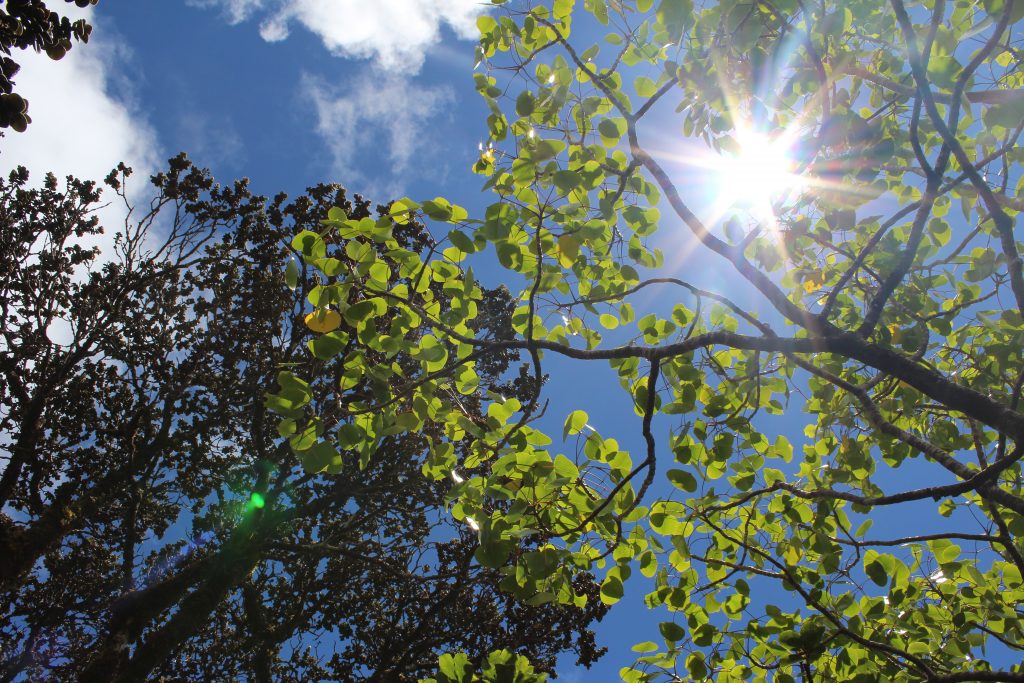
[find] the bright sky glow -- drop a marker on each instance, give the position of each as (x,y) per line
(759,174)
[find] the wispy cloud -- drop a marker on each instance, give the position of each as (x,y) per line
(377,120)
(394,34)
(211,139)
(235,11)
(571,676)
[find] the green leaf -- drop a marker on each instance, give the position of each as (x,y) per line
(493,551)
(461,242)
(671,631)
(562,9)
(546,149)
(575,423)
(697,667)
(996,8)
(349,436)
(439,209)
(286,428)
(293,387)
(304,439)
(402,210)
(542,598)
(675,17)
(360,311)
(466,380)
(877,567)
(682,479)
(525,103)
(327,346)
(291,274)
(567,181)
(645,87)
(611,590)
(566,468)
(321,457)
(309,244)
(568,250)
(599,8)
(431,350)
(330,266)
(454,667)
(611,130)
(283,406)
(945,551)
(1005,115)
(943,70)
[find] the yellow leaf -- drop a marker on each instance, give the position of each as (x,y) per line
(568,250)
(811,284)
(323,321)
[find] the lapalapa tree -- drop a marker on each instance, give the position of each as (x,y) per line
(887,327)
(156,522)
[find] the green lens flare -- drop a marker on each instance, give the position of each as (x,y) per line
(257,500)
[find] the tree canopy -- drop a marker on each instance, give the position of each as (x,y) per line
(156,524)
(881,256)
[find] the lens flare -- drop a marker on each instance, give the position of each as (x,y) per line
(757,174)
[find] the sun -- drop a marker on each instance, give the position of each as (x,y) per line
(758,174)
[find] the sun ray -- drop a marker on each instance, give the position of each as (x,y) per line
(761,169)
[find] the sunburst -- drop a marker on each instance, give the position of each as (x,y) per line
(757,174)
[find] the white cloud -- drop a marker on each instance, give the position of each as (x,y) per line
(236,11)
(395,34)
(354,120)
(84,121)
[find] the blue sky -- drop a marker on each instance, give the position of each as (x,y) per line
(377,96)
